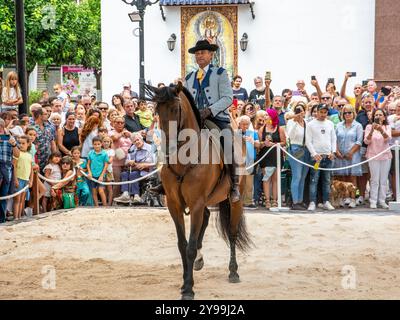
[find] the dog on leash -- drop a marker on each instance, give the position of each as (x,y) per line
(340,191)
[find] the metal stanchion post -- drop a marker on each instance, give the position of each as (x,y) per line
(278,176)
(395,205)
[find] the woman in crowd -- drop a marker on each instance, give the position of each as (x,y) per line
(249,110)
(270,134)
(55,120)
(118,103)
(296,134)
(11,95)
(377,137)
(95,113)
(68,136)
(259,122)
(121,143)
(89,131)
(349,135)
(112,115)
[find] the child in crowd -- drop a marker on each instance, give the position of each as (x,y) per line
(11,94)
(51,171)
(103,132)
(23,176)
(82,188)
(32,134)
(64,193)
(145,115)
(107,147)
(97,167)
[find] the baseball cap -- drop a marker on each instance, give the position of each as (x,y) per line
(127,84)
(323,106)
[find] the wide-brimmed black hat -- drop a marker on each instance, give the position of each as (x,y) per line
(203,45)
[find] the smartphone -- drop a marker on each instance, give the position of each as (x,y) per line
(313,78)
(352,74)
(268,75)
(297,111)
(386,91)
(4,137)
(376,120)
(365,83)
(331,80)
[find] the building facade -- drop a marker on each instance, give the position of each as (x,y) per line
(291,39)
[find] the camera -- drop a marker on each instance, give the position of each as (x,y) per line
(365,83)
(298,110)
(385,91)
(376,120)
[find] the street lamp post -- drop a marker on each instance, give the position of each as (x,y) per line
(141,7)
(21,54)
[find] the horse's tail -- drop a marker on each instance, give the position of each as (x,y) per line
(243,240)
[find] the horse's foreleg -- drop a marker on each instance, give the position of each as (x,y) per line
(196,222)
(199,262)
(179,222)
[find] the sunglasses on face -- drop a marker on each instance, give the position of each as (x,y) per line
(119,122)
(325,98)
(341,105)
(103,109)
(347,113)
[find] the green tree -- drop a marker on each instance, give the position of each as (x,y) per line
(56,31)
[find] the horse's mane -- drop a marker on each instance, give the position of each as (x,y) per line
(166,94)
(192,103)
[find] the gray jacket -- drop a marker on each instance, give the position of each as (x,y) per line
(217,88)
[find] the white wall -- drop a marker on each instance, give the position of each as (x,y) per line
(292,39)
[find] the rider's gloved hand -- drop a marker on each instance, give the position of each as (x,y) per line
(205,113)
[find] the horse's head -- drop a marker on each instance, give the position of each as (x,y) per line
(173,103)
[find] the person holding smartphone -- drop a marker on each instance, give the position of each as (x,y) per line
(8,151)
(377,138)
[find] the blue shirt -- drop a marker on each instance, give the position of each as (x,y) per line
(97,162)
(6,150)
(250,150)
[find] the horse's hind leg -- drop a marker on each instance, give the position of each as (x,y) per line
(236,213)
(199,262)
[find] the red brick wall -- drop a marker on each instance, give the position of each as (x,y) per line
(387,42)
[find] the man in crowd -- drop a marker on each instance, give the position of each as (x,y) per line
(139,162)
(62,96)
(132,121)
(257,95)
(239,92)
(127,89)
(321,142)
(8,150)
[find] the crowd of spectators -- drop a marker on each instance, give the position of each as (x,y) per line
(95,142)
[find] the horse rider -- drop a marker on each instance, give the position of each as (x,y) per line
(212,91)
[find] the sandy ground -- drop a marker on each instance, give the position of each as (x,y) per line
(132,254)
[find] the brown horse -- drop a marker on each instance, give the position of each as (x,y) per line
(196,186)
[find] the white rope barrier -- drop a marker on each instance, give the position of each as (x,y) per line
(259,160)
(57,181)
(122,182)
(338,169)
(15,194)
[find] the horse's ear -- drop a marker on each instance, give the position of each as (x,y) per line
(179,87)
(150,90)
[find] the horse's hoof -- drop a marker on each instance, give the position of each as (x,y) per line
(187,296)
(198,264)
(234,278)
